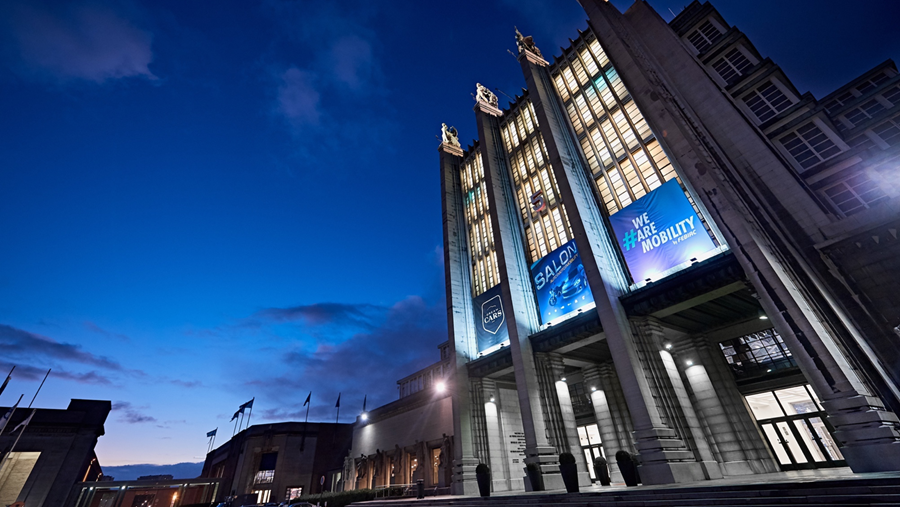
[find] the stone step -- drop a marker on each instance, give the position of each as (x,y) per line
(877,491)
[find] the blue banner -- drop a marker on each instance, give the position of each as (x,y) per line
(560,283)
(659,231)
(490,319)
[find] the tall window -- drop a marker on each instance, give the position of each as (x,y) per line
(809,145)
(767,101)
(624,156)
(836,103)
(548,228)
(485,273)
(732,65)
(704,36)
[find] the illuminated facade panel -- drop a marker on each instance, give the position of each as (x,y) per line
(478,219)
(543,213)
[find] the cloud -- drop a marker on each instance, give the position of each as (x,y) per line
(80,41)
(130,414)
(297,98)
(352,62)
(17,343)
(28,372)
(368,363)
(323,313)
(90,326)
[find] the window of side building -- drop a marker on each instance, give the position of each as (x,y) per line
(768,99)
(810,144)
(705,35)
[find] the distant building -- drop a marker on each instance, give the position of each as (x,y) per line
(277,462)
(55,452)
(408,439)
(663,247)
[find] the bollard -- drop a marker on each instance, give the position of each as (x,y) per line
(420,489)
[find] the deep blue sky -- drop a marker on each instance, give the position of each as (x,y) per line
(205,202)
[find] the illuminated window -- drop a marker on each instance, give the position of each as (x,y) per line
(702,38)
(732,65)
(809,145)
(293,492)
(532,176)
(485,273)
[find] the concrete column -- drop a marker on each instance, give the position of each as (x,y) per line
(497,452)
(460,318)
(566,414)
(732,449)
(516,294)
(727,160)
(670,394)
(609,438)
(750,441)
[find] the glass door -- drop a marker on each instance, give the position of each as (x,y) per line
(794,426)
(589,436)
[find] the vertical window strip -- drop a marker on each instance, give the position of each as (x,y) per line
(598,53)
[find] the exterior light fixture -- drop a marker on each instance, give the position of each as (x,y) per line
(689,362)
(593,388)
(668,346)
(762,315)
(364,416)
(492,399)
(441,387)
(563,379)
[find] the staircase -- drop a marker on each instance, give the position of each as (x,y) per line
(854,490)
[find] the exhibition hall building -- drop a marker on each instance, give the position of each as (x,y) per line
(661,247)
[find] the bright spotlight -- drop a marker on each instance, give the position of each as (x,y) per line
(441,387)
(364,416)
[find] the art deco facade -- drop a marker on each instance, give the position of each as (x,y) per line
(664,247)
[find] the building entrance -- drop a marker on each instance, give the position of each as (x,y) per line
(794,426)
(589,436)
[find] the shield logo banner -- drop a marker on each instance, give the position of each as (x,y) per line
(492,317)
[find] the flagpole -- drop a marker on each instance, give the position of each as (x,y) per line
(8,376)
(338,409)
(11,449)
(39,388)
(235,428)
(251,412)
(13,412)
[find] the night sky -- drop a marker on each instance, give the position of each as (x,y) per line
(206,202)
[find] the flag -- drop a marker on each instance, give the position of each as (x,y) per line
(249,404)
(25,422)
(364,402)
(212,433)
(236,414)
(307,398)
(8,414)
(338,404)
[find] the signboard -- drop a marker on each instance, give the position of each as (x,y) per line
(659,231)
(490,319)
(560,283)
